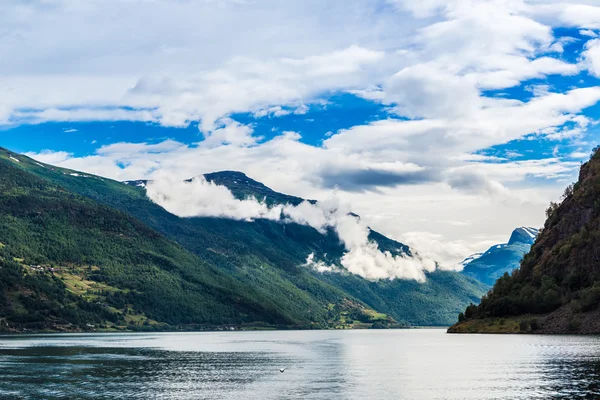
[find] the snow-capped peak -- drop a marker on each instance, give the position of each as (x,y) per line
(523,234)
(471,258)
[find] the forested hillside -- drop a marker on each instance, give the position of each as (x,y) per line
(267,255)
(557,288)
(256,266)
(69,263)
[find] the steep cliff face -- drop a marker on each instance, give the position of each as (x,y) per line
(557,288)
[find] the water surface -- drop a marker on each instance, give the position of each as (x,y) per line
(391,364)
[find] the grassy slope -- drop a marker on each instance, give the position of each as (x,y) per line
(558,283)
(266,255)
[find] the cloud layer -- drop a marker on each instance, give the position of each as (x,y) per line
(455,80)
(199,197)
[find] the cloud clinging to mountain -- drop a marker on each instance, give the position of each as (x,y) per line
(201,198)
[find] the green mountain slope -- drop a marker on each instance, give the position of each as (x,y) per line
(267,255)
(557,288)
(68,262)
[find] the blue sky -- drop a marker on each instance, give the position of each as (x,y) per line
(334,112)
(444,123)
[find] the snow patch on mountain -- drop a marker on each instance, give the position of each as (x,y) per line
(472,257)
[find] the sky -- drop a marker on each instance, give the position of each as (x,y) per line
(444,123)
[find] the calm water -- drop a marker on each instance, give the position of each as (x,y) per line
(400,364)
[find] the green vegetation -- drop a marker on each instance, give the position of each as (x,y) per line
(559,279)
(198,272)
(266,254)
(68,261)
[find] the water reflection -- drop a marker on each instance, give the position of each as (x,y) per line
(424,364)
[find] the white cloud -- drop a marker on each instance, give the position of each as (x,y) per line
(435,139)
(588,32)
(275,111)
(425,91)
(187,69)
(319,265)
(567,13)
(202,198)
(449,253)
(51,157)
(230,132)
(591,57)
(173,75)
(363,257)
(431,61)
(579,155)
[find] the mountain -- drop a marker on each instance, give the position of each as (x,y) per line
(285,246)
(489,266)
(68,262)
(265,260)
(557,287)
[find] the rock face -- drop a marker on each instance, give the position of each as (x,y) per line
(501,258)
(557,288)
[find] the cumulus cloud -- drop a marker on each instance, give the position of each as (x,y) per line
(449,253)
(173,76)
(588,32)
(363,257)
(230,132)
(570,13)
(202,198)
(427,91)
(437,64)
(591,57)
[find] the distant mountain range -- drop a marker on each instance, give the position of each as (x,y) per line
(80,252)
(489,266)
(557,287)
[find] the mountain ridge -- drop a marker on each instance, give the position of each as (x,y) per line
(490,265)
(268,258)
(68,271)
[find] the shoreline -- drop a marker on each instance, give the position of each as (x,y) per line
(296,329)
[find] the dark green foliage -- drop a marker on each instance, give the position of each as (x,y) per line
(437,301)
(41,223)
(266,254)
(574,324)
(590,297)
(524,325)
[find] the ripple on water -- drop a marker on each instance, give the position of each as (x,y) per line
(402,364)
